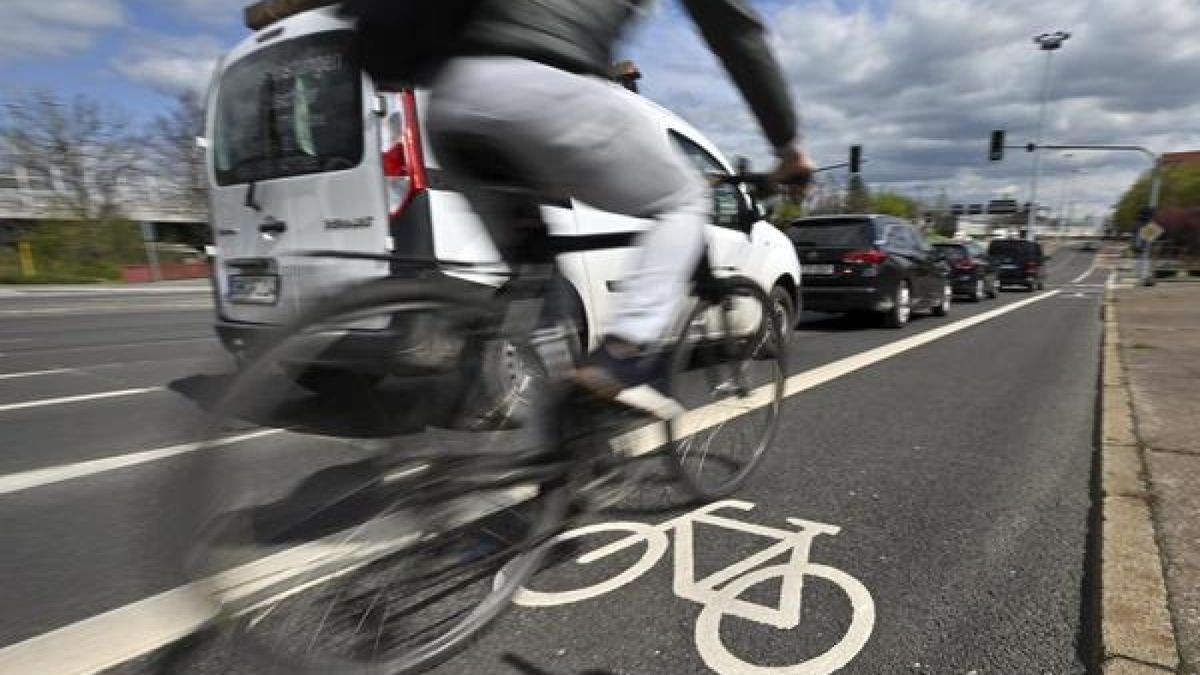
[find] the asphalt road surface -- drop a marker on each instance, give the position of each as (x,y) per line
(931,502)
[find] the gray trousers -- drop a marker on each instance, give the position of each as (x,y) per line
(574,136)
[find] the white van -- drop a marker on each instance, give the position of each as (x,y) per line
(305,153)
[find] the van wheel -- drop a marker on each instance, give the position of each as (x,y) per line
(901,310)
(335,382)
(785,312)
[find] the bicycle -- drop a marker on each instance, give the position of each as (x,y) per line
(325,576)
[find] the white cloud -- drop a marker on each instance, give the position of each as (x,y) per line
(922,82)
(39,28)
(172,65)
(214,11)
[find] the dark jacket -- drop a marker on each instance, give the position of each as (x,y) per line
(578,35)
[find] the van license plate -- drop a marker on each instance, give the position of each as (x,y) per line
(817,269)
(254,290)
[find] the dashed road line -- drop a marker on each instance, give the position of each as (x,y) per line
(37,373)
(83,398)
(36,478)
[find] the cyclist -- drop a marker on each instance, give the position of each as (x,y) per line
(529,84)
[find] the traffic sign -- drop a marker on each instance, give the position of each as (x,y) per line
(1150,231)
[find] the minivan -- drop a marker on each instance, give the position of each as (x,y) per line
(306,152)
(1018,262)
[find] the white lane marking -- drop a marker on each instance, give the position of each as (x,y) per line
(36,373)
(131,631)
(128,632)
(10,341)
(83,398)
(651,437)
(1090,269)
(187,306)
(119,345)
(720,592)
(35,478)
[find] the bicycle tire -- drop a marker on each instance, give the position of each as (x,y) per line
(700,354)
(375,517)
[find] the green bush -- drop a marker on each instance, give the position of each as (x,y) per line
(83,250)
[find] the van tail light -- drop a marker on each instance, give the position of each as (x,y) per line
(965,265)
(1031,266)
(866,257)
(403,160)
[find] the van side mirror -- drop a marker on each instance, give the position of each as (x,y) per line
(731,209)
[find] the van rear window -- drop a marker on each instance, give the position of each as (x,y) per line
(290,109)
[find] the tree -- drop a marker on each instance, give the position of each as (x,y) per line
(173,145)
(1178,206)
(78,149)
(894,204)
(858,197)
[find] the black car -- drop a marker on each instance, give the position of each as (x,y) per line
(1019,262)
(868,263)
(971,273)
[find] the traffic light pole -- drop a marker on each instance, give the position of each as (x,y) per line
(1146,261)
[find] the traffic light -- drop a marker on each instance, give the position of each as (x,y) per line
(996,151)
(855,158)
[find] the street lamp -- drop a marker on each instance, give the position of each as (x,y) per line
(1049,43)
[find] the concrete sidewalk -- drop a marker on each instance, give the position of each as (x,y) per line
(1154,337)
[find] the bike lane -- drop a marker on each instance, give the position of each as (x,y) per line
(958,488)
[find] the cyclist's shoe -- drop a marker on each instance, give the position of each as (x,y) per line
(619,371)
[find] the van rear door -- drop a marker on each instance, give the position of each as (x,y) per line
(295,165)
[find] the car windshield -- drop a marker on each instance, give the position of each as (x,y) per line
(832,233)
(289,109)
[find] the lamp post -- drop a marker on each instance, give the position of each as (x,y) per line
(1049,43)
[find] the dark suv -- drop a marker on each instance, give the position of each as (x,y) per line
(1018,262)
(868,263)
(971,273)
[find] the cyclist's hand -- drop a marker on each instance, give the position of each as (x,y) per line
(794,167)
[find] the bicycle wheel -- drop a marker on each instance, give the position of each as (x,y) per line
(348,536)
(728,370)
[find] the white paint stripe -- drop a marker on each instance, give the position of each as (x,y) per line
(1091,269)
(83,398)
(128,632)
(131,631)
(648,438)
(28,480)
(36,373)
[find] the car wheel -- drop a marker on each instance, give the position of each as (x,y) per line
(785,312)
(901,310)
(980,290)
(943,307)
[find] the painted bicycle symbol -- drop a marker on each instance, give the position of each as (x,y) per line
(720,593)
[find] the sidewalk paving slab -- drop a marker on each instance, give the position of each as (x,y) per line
(1158,332)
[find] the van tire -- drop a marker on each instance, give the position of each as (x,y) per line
(336,382)
(496,374)
(785,308)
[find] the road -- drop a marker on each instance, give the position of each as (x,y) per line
(957,470)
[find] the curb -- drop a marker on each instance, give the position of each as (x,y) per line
(1136,633)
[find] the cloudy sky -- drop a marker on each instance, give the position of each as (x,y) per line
(919,83)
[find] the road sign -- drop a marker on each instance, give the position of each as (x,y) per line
(1150,231)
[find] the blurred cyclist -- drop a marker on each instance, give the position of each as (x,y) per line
(528,83)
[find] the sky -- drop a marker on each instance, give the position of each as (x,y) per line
(919,84)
